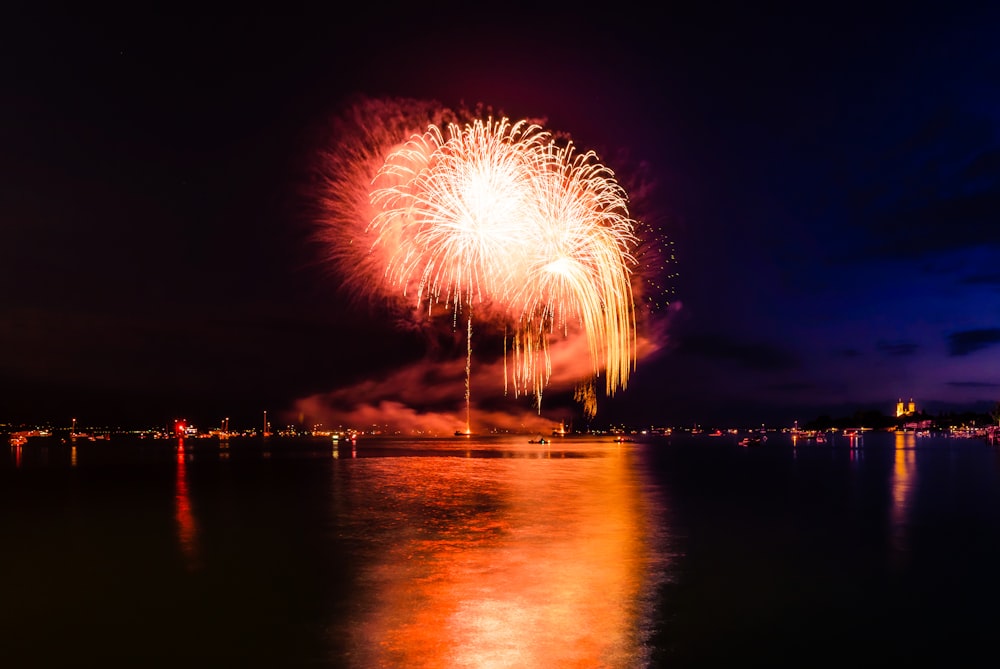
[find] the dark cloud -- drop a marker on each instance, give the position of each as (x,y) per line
(992,279)
(793,387)
(970,341)
(936,186)
(973,384)
(953,221)
(749,355)
(896,348)
(984,169)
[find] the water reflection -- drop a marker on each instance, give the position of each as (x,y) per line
(904,475)
(855,442)
(187,531)
(504,562)
(345,447)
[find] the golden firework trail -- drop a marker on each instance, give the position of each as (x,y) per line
(500,218)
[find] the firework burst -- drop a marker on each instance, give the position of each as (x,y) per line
(489,220)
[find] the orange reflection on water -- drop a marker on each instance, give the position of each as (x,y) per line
(904,473)
(187,531)
(521,562)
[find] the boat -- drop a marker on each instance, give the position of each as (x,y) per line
(540,440)
(753,440)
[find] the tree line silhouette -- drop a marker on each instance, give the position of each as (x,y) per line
(879,421)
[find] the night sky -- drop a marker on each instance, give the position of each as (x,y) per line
(828,181)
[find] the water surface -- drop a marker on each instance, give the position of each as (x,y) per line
(493,552)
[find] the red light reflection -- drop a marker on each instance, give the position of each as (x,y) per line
(187,531)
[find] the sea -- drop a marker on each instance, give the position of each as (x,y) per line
(492,552)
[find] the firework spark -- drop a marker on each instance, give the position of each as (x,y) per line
(493,220)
